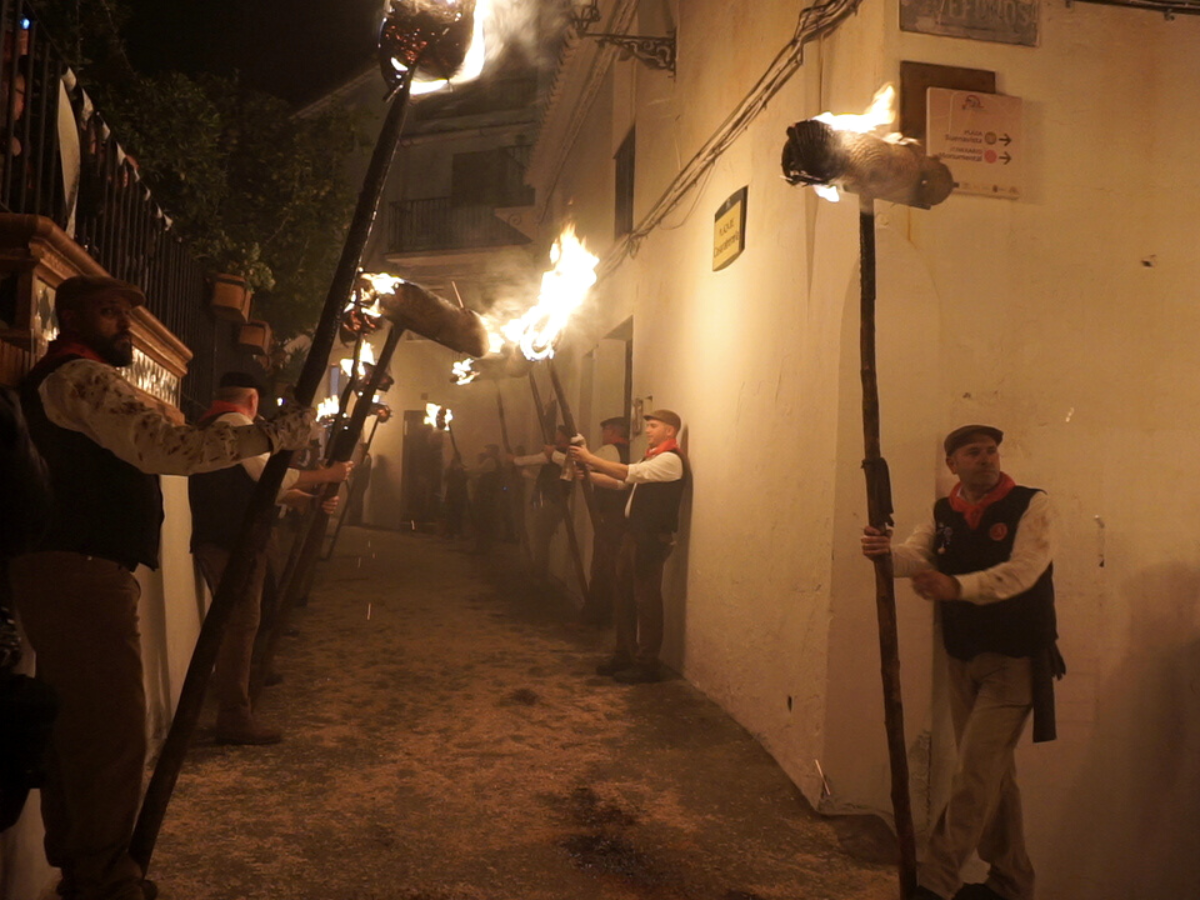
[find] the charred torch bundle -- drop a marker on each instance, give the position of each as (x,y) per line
(843,151)
(436,34)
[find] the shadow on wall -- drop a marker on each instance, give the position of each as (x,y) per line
(1131,813)
(675,575)
(383,495)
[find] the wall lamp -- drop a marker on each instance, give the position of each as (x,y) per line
(655,52)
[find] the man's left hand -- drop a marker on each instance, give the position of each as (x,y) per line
(329,507)
(933,585)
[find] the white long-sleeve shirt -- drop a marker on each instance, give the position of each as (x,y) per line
(93,399)
(1031,554)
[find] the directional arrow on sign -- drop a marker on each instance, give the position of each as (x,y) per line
(1006,140)
(1007,159)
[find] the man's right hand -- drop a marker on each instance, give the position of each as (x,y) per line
(876,542)
(292,430)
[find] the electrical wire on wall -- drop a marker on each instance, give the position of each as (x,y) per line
(815,21)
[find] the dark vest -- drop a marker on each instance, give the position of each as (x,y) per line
(219,501)
(550,485)
(1023,625)
(655,506)
(102,506)
(611,503)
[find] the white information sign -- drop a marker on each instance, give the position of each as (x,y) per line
(979,137)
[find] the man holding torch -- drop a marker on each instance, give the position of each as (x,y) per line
(985,556)
(219,501)
(652,517)
(104,447)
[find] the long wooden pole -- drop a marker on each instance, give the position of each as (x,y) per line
(585,481)
(312,533)
(350,492)
(572,537)
(256,529)
(879,515)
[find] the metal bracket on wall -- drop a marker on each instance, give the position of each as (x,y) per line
(656,52)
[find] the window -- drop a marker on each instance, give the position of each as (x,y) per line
(623,217)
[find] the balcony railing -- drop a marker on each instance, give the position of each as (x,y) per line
(61,161)
(418,226)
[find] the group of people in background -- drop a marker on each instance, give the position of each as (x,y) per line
(92,512)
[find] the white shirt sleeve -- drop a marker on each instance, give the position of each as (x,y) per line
(664,467)
(93,399)
(254,465)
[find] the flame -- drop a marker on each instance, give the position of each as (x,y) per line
(473,62)
(328,408)
(366,358)
(564,288)
(463,373)
(880,114)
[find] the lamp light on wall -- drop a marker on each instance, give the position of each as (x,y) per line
(655,52)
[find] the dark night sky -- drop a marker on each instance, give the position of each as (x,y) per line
(295,49)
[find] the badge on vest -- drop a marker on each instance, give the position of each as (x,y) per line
(944,534)
(998,532)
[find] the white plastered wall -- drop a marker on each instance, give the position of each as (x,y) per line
(1065,318)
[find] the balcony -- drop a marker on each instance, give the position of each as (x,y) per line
(438,224)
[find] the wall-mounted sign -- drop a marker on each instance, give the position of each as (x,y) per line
(979,137)
(1005,21)
(729,230)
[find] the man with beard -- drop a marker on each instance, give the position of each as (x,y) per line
(104,447)
(985,556)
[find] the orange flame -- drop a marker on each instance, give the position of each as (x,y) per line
(564,288)
(463,373)
(880,114)
(328,408)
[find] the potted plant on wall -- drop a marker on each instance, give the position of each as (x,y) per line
(240,272)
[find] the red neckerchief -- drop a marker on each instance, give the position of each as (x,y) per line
(67,346)
(620,440)
(973,512)
(220,407)
(669,444)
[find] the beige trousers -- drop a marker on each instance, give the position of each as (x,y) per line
(990,700)
(80,614)
(231,677)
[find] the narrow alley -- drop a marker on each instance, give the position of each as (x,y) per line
(447,739)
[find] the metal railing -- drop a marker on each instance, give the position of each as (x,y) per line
(438,224)
(60,160)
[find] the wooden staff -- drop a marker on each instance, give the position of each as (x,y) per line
(516,499)
(585,480)
(312,530)
(349,490)
(235,582)
(879,515)
(572,537)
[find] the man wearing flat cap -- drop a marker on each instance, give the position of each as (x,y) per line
(104,447)
(219,501)
(985,557)
(652,518)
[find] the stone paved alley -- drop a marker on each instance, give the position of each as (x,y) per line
(446,739)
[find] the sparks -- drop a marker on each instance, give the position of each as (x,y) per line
(564,288)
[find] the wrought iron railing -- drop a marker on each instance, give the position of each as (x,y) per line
(438,224)
(60,160)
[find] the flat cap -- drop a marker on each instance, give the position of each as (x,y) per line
(616,422)
(667,417)
(960,437)
(75,292)
(242,380)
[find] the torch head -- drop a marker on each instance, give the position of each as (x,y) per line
(416,309)
(433,35)
(864,164)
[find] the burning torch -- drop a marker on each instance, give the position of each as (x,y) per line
(417,35)
(842,151)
